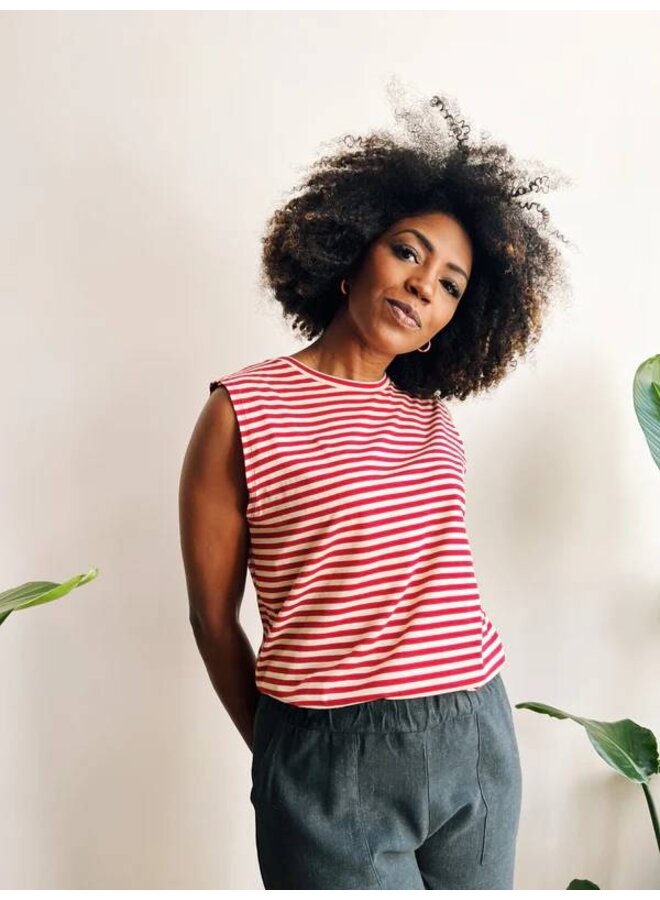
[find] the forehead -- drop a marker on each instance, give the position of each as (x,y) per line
(437,222)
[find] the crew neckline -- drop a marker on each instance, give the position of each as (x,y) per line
(336,379)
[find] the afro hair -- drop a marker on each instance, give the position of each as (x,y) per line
(354,193)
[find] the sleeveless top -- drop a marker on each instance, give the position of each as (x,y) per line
(358,548)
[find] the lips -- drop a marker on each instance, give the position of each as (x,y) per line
(407,309)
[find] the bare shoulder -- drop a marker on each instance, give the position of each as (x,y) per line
(215,454)
(220,400)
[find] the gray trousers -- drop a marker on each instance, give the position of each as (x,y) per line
(421,793)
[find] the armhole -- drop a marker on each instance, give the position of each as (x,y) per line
(461,447)
(248,462)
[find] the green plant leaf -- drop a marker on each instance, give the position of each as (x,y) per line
(646,400)
(628,748)
(582,884)
(34,593)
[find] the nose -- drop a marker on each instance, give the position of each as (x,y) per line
(420,287)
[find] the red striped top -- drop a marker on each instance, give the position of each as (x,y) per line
(358,552)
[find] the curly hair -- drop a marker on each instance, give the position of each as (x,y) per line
(352,195)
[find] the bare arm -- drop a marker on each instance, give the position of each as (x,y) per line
(214,543)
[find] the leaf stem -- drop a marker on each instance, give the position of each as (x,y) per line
(652,810)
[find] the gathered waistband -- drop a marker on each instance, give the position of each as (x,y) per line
(383,715)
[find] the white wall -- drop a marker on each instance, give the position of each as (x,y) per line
(141,155)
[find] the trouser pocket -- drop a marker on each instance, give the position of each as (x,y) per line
(499,775)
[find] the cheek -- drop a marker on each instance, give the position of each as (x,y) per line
(382,270)
(443,317)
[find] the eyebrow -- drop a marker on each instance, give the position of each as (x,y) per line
(429,246)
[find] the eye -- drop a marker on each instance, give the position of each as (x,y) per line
(401,249)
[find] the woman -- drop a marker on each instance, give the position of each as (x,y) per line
(384,749)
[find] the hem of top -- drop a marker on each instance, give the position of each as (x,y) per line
(491,677)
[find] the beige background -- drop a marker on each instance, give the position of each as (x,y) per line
(141,155)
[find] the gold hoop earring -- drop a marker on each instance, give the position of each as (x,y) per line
(424,349)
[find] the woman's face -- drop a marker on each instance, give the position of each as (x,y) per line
(424,261)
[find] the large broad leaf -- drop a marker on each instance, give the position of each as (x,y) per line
(625,746)
(582,884)
(33,593)
(646,399)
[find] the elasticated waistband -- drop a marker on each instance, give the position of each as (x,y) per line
(383,715)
